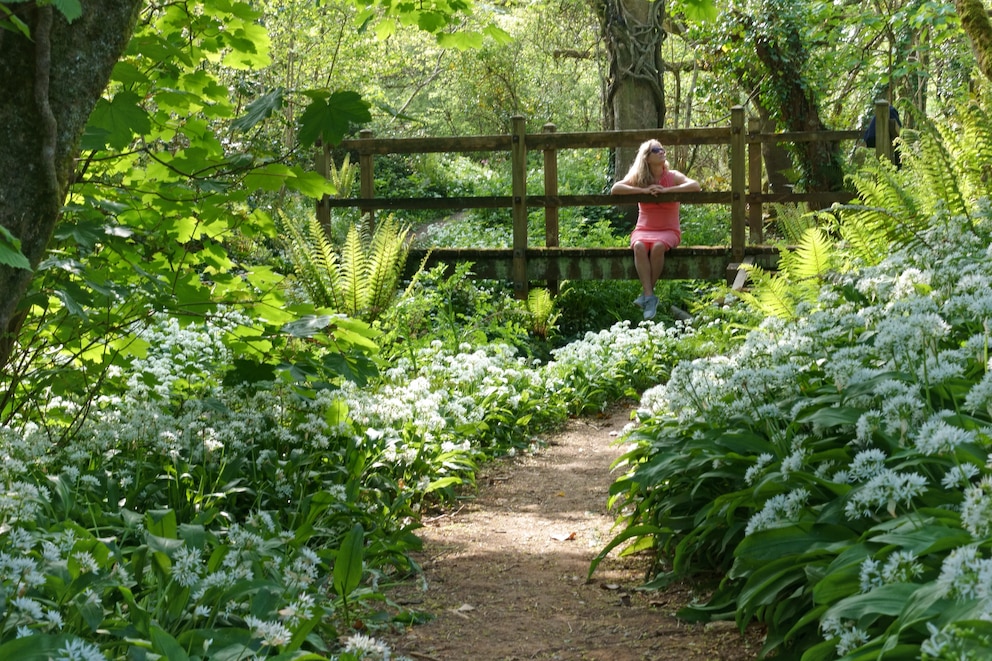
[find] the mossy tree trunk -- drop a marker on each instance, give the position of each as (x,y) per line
(634,96)
(49,85)
(975,21)
(789,95)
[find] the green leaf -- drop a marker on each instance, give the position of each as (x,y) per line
(884,600)
(350,561)
(249,44)
(260,109)
(442,483)
(10,251)
(460,40)
(700,11)
(114,123)
(71,9)
(307,326)
(311,184)
(630,533)
(330,118)
(166,645)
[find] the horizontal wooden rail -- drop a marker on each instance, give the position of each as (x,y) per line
(522,263)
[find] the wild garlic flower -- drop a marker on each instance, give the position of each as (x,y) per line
(976,509)
(778,510)
(752,473)
(187,566)
(884,492)
(899,567)
(936,436)
(272,634)
(965,575)
(849,637)
(959,476)
(366,647)
(76,649)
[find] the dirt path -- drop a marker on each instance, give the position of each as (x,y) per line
(506,571)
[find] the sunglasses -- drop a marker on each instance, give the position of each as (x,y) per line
(657,150)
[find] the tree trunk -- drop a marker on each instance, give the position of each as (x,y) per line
(783,57)
(635,94)
(49,84)
(778,162)
(975,21)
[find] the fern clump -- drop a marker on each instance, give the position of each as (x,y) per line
(360,278)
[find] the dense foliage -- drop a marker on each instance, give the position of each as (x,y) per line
(835,468)
(205,459)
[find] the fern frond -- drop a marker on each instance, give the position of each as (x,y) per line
(812,258)
(864,242)
(312,258)
(935,173)
(353,272)
(770,294)
(386,260)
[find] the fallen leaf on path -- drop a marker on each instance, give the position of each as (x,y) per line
(564,538)
(462,610)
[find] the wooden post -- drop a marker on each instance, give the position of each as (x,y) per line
(551,238)
(367,177)
(883,132)
(754,208)
(323,166)
(518,173)
(738,168)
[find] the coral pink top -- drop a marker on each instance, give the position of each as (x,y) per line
(658,222)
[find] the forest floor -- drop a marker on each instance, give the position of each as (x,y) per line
(506,569)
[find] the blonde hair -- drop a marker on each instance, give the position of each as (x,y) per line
(640,171)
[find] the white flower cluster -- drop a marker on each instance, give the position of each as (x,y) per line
(899,567)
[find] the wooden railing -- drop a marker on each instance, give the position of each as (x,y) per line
(524,263)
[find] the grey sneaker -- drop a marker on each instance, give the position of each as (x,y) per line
(640,300)
(650,307)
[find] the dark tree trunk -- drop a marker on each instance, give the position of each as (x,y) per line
(797,109)
(49,84)
(778,162)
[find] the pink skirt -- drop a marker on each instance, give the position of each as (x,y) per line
(670,238)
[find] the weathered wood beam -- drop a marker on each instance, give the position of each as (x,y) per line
(683,263)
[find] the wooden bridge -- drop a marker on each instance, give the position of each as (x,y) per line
(524,263)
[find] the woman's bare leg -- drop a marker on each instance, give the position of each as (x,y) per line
(644,267)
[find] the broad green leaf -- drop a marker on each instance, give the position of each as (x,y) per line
(329,118)
(307,326)
(71,9)
(128,74)
(10,250)
(632,532)
(166,645)
(249,47)
(460,40)
(270,177)
(260,109)
(311,184)
(350,562)
(884,600)
(442,483)
(114,123)
(699,10)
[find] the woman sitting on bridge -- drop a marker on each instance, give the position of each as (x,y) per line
(657,230)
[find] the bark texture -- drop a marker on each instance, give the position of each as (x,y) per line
(49,85)
(975,21)
(782,57)
(634,96)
